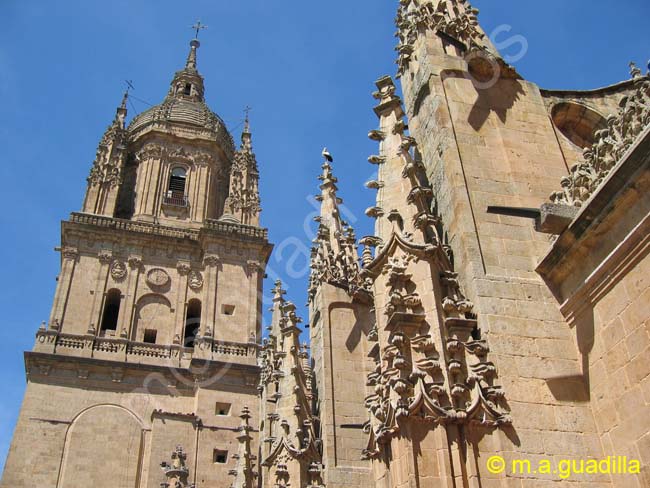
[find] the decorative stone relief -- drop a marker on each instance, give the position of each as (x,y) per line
(70,253)
(430,368)
(105,256)
(195,280)
(176,472)
(157,277)
(211,260)
(135,262)
(118,270)
(416,16)
(611,144)
(183,268)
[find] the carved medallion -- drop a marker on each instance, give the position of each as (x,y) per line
(195,280)
(157,277)
(118,270)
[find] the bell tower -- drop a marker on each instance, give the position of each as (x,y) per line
(151,345)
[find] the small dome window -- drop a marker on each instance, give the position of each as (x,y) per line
(577,122)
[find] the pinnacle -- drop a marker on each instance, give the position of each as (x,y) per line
(190,64)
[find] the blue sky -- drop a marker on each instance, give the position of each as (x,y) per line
(306,68)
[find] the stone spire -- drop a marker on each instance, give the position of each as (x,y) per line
(334,257)
(190,64)
(245,473)
(243,202)
(290,454)
(456,24)
(107,170)
(188,83)
(410,383)
(246,136)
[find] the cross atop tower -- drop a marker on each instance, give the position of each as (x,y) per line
(247,111)
(198,26)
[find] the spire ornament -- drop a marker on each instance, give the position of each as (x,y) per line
(176,472)
(243,201)
(334,256)
(245,473)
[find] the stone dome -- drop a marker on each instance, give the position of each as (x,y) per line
(179,111)
(185,105)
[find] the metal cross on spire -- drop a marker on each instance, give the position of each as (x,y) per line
(247,111)
(198,27)
(129,86)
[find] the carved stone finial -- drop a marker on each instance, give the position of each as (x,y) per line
(176,472)
(635,72)
(244,473)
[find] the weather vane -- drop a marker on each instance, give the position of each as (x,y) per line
(129,85)
(198,27)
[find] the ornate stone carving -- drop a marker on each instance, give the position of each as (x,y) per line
(402,299)
(70,253)
(417,16)
(111,152)
(211,260)
(118,270)
(243,201)
(135,262)
(253,266)
(105,256)
(285,389)
(611,144)
(183,268)
(176,472)
(426,369)
(334,256)
(244,473)
(157,277)
(195,280)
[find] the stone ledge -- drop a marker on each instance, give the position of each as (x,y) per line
(210,226)
(555,218)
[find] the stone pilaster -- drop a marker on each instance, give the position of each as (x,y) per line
(125,319)
(69,257)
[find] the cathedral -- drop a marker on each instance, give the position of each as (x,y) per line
(495,324)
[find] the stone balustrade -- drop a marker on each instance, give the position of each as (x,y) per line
(121,349)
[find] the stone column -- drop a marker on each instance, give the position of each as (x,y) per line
(69,255)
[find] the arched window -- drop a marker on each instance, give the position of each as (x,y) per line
(192,322)
(111,310)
